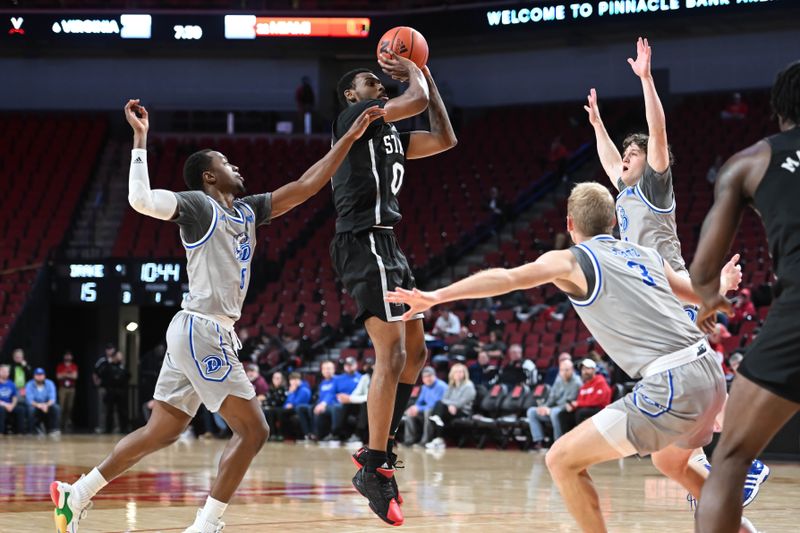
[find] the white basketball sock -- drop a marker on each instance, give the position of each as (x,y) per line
(211,512)
(89,485)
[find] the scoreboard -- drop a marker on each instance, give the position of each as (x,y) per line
(123,282)
(69,27)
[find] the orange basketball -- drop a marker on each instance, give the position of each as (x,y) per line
(406,42)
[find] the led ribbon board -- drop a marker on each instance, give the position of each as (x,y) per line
(251,26)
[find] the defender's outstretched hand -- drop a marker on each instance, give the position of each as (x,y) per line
(367,117)
(592,109)
(731,275)
(137,117)
(418,300)
(641,67)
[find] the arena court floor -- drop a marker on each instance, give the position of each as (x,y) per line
(304,487)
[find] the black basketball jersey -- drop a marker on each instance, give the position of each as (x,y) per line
(776,198)
(366,186)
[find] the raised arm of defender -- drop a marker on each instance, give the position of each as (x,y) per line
(657,146)
(610,157)
(558,266)
(158,203)
(315,178)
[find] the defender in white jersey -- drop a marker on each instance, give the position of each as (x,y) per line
(645,205)
(626,295)
(218,232)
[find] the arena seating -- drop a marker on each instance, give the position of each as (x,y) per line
(41,194)
(444,201)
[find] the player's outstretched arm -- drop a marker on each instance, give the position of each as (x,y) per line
(729,279)
(441,137)
(657,146)
(555,266)
(608,153)
(159,203)
(721,224)
(415,99)
(315,178)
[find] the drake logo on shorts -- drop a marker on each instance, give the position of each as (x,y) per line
(212,364)
(241,247)
(622,218)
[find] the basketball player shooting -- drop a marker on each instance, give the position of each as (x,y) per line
(369,261)
(218,231)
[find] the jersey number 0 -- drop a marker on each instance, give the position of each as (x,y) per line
(398,170)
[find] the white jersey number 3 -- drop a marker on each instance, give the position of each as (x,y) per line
(397,177)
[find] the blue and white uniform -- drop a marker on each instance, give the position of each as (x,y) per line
(631,311)
(201,363)
(646,215)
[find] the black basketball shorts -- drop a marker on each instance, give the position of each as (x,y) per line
(773,360)
(370,264)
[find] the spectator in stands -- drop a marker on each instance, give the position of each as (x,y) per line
(432,391)
(66,375)
(495,347)
(743,310)
(21,371)
(715,339)
(558,156)
(564,390)
(456,403)
(357,400)
(98,372)
(513,373)
(713,170)
(258,381)
(482,371)
(447,324)
(553,372)
(602,364)
(304,98)
(344,383)
(115,378)
(299,395)
(40,394)
(594,394)
(10,403)
(273,404)
(290,345)
(466,346)
(736,109)
(315,420)
(496,206)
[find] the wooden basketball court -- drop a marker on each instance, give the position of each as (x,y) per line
(306,487)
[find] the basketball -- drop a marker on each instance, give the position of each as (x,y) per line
(406,42)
